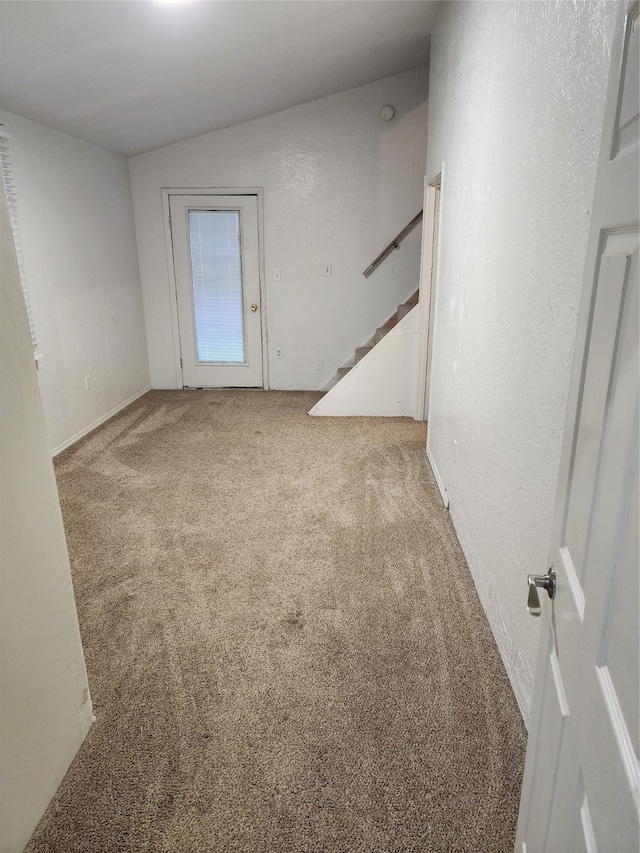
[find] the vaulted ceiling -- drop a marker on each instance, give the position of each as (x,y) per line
(135,75)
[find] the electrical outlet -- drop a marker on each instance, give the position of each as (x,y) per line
(319,364)
(87,382)
(278,353)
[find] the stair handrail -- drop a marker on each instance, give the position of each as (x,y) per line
(394,244)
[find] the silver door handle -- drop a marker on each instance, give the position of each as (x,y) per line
(547,582)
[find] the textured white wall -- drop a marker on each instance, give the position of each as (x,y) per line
(80,258)
(45,709)
(339,183)
(516,105)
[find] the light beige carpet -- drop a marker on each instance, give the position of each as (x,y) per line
(285,648)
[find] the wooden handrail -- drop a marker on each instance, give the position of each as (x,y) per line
(394,244)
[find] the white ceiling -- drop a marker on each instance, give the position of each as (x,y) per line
(134,75)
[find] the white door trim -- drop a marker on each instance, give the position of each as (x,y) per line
(427,282)
(213,191)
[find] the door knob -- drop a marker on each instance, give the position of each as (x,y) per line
(254,307)
(547,582)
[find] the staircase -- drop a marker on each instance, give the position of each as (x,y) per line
(384,382)
(380,332)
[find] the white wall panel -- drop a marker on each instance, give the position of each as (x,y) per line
(80,259)
(515,111)
(45,708)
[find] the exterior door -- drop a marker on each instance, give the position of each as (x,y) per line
(216,264)
(580,790)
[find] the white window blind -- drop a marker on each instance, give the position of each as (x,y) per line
(216,279)
(10,193)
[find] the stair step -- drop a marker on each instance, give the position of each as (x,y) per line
(383,330)
(403,310)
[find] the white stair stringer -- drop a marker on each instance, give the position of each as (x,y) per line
(383,383)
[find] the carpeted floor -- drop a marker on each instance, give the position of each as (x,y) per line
(285,648)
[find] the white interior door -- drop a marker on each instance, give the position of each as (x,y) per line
(582,771)
(217,274)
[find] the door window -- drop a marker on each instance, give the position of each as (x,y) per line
(216,281)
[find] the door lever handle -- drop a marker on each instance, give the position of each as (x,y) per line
(547,582)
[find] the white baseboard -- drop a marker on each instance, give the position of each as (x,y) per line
(98,422)
(436,474)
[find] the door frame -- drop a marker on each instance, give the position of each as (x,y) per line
(428,288)
(173,293)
